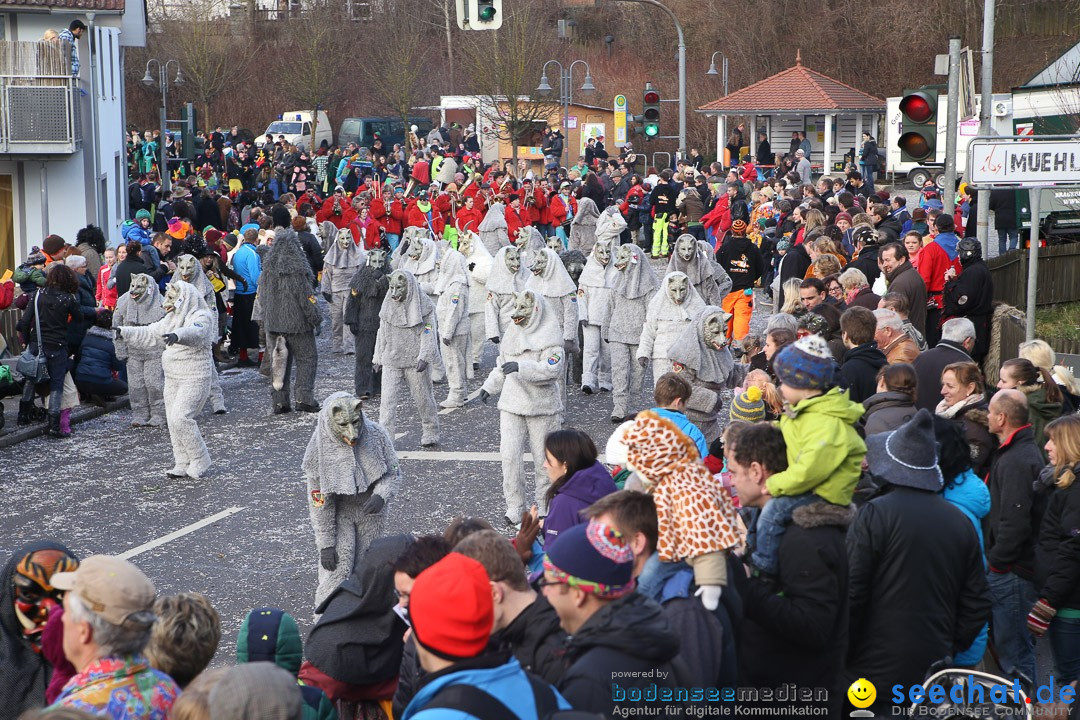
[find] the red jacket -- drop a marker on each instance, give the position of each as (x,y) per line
(558,209)
(479,203)
(633,196)
(538,206)
(444,206)
(421,173)
(415,217)
(395,221)
(106,296)
(515,221)
(326,212)
(369,236)
(468,219)
(933,264)
(719,218)
(749,172)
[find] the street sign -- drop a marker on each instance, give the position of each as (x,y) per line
(1011,162)
(1070,361)
(620,120)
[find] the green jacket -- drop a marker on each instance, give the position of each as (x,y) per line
(1041,412)
(824,452)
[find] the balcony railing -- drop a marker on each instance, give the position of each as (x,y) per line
(39,99)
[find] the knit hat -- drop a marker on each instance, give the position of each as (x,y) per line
(53,244)
(806,364)
(36,258)
(451,609)
(213,235)
(231,239)
(908,455)
(844,216)
(783,245)
(882,196)
(748,406)
(738,227)
(814,323)
(592,557)
(768,192)
(249,226)
(270,635)
(142,215)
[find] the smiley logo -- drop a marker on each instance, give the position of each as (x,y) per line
(862,693)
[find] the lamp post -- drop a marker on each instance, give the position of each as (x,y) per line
(163,84)
(566,94)
(723,71)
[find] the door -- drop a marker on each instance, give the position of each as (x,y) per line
(7,225)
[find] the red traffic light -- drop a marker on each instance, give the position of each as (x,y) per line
(917,107)
(652,97)
(916,145)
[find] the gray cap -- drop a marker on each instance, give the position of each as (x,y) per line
(256,691)
(908,455)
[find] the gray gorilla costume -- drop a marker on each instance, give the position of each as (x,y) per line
(352,472)
(502,283)
(558,289)
(494,232)
(706,363)
(696,258)
(594,308)
(526,378)
(405,349)
(291,316)
(583,226)
(452,315)
(187,365)
(666,320)
(367,290)
(141,305)
(190,270)
(478,260)
(342,261)
(632,289)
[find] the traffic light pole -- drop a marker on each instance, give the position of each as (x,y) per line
(987,87)
(682,71)
(949,193)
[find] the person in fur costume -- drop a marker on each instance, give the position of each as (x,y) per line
(367,290)
(702,357)
(341,263)
(594,308)
(291,318)
(610,225)
(423,259)
(670,311)
(352,472)
(526,379)
(186,333)
(695,258)
(696,521)
(452,316)
(141,305)
(405,350)
(478,260)
(508,276)
(550,279)
(529,241)
(190,270)
(494,232)
(632,289)
(583,226)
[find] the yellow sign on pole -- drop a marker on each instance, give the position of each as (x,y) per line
(620,120)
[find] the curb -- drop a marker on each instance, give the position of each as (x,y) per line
(78,415)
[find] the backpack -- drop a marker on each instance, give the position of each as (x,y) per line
(484,706)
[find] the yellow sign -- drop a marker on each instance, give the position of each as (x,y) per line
(620,120)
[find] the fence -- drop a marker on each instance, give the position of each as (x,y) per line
(8,318)
(1008,331)
(1058,279)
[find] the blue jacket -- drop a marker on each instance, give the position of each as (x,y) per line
(98,357)
(507,683)
(581,490)
(688,428)
(248,265)
(132,230)
(970,494)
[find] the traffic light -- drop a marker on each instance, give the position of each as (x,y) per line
(187,131)
(479,14)
(650,115)
(918,137)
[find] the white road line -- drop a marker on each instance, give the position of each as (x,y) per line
(398,436)
(179,533)
(460,456)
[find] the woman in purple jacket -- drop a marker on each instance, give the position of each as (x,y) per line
(577,480)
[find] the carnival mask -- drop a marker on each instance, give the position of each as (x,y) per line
(347,420)
(554,243)
(399,287)
(678,288)
(344,237)
(623,257)
(524,306)
(539,266)
(376,259)
(139,285)
(465,244)
(35,597)
(513,260)
(524,234)
(715,328)
(603,253)
(574,262)
(186,268)
(686,246)
(172,298)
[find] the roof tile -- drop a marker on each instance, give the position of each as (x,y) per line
(796,89)
(90,5)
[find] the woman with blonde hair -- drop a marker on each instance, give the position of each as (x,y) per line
(813,219)
(1039,353)
(824,266)
(963,400)
(792,302)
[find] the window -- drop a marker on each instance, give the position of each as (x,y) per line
(307,129)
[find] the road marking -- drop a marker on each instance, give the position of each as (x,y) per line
(460,456)
(179,533)
(398,436)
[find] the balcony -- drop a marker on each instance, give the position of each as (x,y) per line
(39,99)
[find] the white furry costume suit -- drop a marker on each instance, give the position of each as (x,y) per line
(708,369)
(706,275)
(494,232)
(594,308)
(187,364)
(341,479)
(502,283)
(583,226)
(557,287)
(478,260)
(665,322)
(426,272)
(452,315)
(405,349)
(202,284)
(530,402)
(145,377)
(632,289)
(339,266)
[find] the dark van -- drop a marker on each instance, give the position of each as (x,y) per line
(391,130)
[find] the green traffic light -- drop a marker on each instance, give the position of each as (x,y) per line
(487,14)
(652,129)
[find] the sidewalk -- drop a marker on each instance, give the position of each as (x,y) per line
(12,434)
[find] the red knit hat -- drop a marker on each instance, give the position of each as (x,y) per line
(451,609)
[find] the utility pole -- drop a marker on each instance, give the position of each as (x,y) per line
(986,87)
(949,192)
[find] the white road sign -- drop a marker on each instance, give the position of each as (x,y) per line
(1014,162)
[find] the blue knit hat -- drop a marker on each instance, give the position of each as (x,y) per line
(806,364)
(593,557)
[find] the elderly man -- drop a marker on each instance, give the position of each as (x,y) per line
(108,616)
(802,166)
(957,340)
(891,338)
(905,279)
(898,303)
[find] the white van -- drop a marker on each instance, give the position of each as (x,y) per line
(295,125)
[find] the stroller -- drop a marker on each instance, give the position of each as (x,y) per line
(972,693)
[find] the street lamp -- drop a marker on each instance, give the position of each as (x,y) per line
(566,93)
(163,84)
(712,69)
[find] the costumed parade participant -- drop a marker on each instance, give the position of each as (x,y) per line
(695,258)
(352,472)
(670,311)
(583,226)
(971,294)
(594,308)
(341,263)
(478,261)
(190,270)
(507,277)
(291,318)
(701,356)
(529,240)
(526,379)
(452,316)
(186,334)
(141,305)
(422,260)
(367,290)
(494,232)
(405,350)
(550,279)
(632,290)
(27,599)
